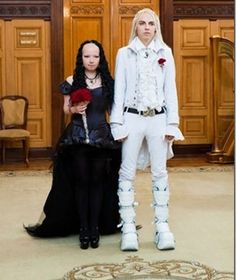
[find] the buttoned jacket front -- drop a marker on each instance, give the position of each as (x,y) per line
(126,82)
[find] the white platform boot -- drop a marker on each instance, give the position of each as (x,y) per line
(164,238)
(129,237)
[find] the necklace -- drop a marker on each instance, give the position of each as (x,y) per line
(91,80)
(146,54)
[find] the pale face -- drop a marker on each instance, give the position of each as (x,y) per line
(145,28)
(90,57)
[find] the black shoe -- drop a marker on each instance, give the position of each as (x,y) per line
(31,230)
(84,238)
(94,238)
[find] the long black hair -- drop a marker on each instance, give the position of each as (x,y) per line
(103,70)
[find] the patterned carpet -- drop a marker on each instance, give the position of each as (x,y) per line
(137,268)
(208,190)
(214,168)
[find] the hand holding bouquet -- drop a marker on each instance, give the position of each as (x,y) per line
(78,96)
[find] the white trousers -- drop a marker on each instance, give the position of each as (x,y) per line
(153,130)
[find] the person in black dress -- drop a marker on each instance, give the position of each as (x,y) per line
(83,197)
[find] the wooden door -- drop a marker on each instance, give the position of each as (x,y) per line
(25,70)
(192,56)
(122,14)
(2,58)
(194,78)
(107,21)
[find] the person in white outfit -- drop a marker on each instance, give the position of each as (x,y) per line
(145,118)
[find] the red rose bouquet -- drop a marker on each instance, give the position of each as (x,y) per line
(78,96)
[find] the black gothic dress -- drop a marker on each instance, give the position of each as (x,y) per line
(59,211)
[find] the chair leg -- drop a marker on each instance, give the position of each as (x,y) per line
(26,149)
(3,152)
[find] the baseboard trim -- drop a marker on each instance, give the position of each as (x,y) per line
(13,154)
(193,149)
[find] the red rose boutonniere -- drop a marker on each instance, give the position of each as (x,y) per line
(161,61)
(82,95)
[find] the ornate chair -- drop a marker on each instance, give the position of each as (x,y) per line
(13,123)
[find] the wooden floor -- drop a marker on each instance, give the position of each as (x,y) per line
(44,164)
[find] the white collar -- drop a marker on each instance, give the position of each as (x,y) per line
(139,45)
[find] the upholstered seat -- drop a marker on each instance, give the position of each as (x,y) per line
(13,133)
(13,113)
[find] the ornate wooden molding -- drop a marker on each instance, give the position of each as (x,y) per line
(25,9)
(87,10)
(211,10)
(130,10)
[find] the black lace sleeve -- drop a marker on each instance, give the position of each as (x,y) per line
(65,88)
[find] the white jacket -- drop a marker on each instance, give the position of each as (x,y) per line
(126,87)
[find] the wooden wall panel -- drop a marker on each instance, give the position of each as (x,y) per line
(83,21)
(199,9)
(194,79)
(2,58)
(122,13)
(195,127)
(92,28)
(106,21)
(193,87)
(28,74)
(1,75)
(191,48)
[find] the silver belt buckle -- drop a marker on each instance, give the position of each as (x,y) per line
(149,113)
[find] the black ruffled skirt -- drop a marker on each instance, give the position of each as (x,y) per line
(61,218)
